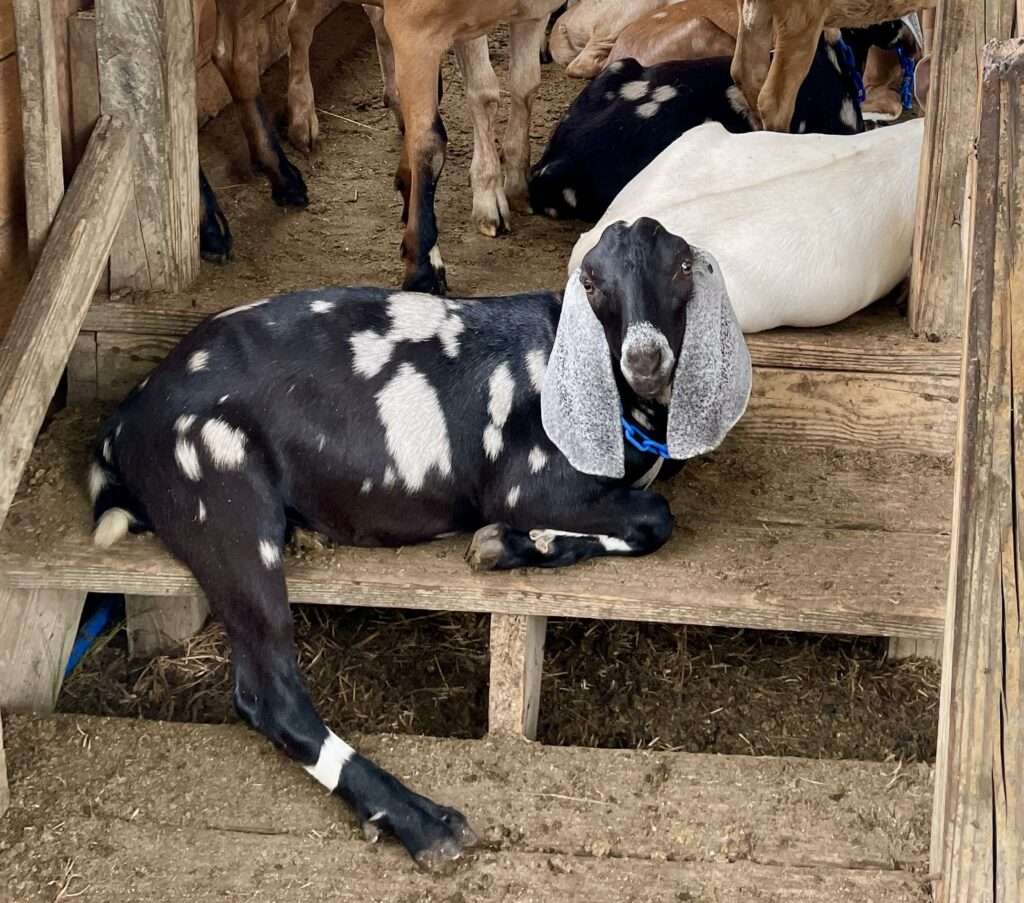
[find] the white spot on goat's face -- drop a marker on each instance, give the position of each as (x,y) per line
(225,444)
(370,352)
(513,496)
(536,366)
(501,391)
(270,554)
(634,90)
(184,423)
(739,104)
(240,308)
(97,481)
(570,197)
(201,512)
(197,361)
(848,114)
(538,459)
(334,753)
(647,360)
(414,427)
(188,460)
(321,307)
(648,110)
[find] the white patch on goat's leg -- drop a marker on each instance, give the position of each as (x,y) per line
(334,753)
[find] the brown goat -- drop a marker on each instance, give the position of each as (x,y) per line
(692,29)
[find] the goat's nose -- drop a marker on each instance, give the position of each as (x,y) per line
(643,361)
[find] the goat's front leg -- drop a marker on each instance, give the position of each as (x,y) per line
(417,64)
(753,53)
(796,40)
(237,59)
(526,40)
(620,522)
(490,208)
(386,58)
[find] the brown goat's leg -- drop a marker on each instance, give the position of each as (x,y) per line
(527,38)
(386,58)
(490,208)
(796,40)
(303,125)
(237,58)
(417,64)
(752,55)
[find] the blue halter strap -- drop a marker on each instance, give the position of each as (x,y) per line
(907,85)
(850,62)
(641,441)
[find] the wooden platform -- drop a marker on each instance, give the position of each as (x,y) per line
(125,810)
(767,536)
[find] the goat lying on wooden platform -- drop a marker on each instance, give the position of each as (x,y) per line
(385,418)
(412,37)
(628,115)
(809,228)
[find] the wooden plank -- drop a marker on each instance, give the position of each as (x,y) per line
(159,624)
(85,79)
(978,822)
(63,10)
(615,805)
(147,78)
(5,790)
(902,647)
(13,271)
(37,631)
(82,373)
(12,179)
(749,549)
(40,119)
(962,28)
(517,664)
(914,414)
(6,28)
(40,339)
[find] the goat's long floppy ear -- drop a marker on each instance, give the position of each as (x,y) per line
(580,405)
(712,381)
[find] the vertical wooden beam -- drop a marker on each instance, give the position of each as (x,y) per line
(962,28)
(517,663)
(85,79)
(40,118)
(148,79)
(159,624)
(978,822)
(5,792)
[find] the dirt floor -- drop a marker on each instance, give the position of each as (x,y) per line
(606,684)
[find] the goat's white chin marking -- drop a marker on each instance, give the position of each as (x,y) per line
(334,753)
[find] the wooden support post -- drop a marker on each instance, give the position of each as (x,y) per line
(936,302)
(517,663)
(901,647)
(978,824)
(159,624)
(40,118)
(148,79)
(5,792)
(45,327)
(85,79)
(37,631)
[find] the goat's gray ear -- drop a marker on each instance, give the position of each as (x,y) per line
(580,405)
(712,381)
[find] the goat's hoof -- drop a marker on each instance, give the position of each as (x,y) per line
(429,277)
(215,242)
(288,188)
(520,202)
(487,548)
(304,132)
(491,213)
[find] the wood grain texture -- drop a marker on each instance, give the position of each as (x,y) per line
(517,665)
(12,178)
(5,789)
(85,79)
(43,332)
(81,369)
(40,118)
(978,826)
(766,537)
(962,28)
(37,631)
(6,28)
(147,79)
(157,624)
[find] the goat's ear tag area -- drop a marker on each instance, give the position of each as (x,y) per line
(580,405)
(711,386)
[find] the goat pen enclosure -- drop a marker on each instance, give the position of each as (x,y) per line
(797,529)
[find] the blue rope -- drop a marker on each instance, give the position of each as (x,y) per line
(641,441)
(850,62)
(907,85)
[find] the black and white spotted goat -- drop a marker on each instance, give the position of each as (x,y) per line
(380,418)
(629,114)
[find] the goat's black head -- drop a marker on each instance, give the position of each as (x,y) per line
(638,279)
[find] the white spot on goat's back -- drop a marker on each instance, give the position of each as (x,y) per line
(513,496)
(570,197)
(97,481)
(538,459)
(648,110)
(848,114)
(664,93)
(188,460)
(389,477)
(501,389)
(107,453)
(334,753)
(415,429)
(634,90)
(197,361)
(370,353)
(367,487)
(201,512)
(270,553)
(237,310)
(321,307)
(225,444)
(536,366)
(449,334)
(415,317)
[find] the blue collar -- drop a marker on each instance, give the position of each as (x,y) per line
(641,441)
(851,67)
(907,85)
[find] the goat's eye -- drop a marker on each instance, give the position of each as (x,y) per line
(686,266)
(588,286)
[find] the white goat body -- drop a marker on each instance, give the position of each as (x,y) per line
(808,229)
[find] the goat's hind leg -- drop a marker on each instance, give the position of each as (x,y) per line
(527,39)
(233,546)
(621,522)
(214,232)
